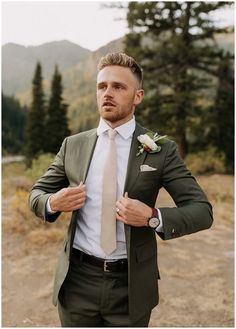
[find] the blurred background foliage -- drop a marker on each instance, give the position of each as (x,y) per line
(188,78)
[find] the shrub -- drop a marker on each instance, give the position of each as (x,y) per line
(22,221)
(39,166)
(206,162)
(19,219)
(13,169)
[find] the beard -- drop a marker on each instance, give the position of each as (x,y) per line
(116,113)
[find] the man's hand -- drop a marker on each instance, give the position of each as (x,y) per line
(133,212)
(68,199)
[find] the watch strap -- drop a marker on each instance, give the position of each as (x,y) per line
(155,213)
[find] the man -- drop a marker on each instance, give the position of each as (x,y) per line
(109,178)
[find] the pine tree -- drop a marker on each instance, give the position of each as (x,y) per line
(35,119)
(224,111)
(13,125)
(57,122)
(174,42)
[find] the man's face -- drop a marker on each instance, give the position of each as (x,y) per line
(118,94)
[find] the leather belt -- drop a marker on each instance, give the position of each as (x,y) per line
(116,266)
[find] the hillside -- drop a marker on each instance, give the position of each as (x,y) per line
(19,61)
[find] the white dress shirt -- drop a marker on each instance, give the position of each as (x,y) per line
(87,235)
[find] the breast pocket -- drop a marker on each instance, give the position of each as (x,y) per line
(149,174)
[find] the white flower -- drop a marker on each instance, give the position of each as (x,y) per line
(147,141)
(150,143)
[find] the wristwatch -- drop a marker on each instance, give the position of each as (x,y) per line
(154,220)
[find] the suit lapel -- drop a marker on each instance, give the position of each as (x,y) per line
(83,158)
(133,170)
(134,161)
(86,153)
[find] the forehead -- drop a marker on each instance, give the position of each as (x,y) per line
(116,73)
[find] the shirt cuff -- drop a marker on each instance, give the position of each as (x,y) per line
(48,207)
(160,227)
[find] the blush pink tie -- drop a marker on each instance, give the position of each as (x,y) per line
(108,223)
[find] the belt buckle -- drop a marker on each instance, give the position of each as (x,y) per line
(105,269)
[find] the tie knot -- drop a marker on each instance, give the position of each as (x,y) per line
(112,133)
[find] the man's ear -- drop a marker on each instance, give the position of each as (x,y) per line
(138,97)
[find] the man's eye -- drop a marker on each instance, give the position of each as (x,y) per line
(100,87)
(119,87)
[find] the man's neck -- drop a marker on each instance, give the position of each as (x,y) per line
(116,124)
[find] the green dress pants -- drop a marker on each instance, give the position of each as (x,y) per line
(90,297)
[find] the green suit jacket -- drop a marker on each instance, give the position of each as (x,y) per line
(191,214)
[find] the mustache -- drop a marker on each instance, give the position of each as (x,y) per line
(108,103)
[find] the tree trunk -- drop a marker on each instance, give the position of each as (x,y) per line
(182,144)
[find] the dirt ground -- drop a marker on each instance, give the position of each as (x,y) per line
(197,271)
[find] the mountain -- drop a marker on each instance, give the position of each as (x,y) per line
(18,62)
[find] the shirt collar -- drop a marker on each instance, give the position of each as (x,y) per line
(126,130)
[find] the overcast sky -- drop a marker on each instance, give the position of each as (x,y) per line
(84,23)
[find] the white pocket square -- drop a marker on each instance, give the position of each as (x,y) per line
(147,168)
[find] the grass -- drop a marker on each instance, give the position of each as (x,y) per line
(19,218)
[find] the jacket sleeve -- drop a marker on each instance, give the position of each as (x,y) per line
(51,182)
(193,212)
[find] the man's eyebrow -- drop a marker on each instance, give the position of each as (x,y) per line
(112,82)
(119,83)
(102,83)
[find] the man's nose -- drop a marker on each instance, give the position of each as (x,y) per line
(108,92)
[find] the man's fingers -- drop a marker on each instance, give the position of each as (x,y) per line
(73,205)
(73,191)
(120,218)
(77,196)
(124,203)
(69,198)
(76,189)
(120,206)
(75,199)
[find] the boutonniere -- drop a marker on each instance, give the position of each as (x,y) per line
(150,142)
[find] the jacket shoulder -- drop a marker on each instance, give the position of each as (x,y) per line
(82,135)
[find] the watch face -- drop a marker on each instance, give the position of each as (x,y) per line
(154,222)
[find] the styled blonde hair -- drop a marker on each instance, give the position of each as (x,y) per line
(121,59)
